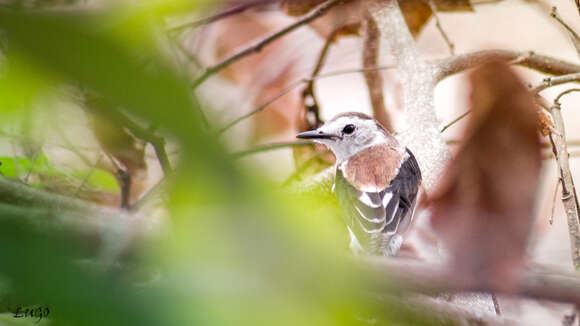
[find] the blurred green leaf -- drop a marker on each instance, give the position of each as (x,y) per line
(238,252)
(7,319)
(103,180)
(15,167)
(86,51)
(42,269)
(20,84)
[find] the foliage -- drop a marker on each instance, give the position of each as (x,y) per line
(236,253)
(216,241)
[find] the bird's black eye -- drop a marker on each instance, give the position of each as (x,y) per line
(348,129)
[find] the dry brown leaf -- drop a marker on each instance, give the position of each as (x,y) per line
(298,7)
(416,13)
(272,69)
(453,5)
(348,14)
(483,208)
(263,74)
(114,138)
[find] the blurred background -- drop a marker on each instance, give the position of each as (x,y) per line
(135,191)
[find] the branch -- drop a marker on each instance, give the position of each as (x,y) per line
(553,81)
(268,147)
(16,193)
(449,313)
(573,36)
(309,118)
(373,78)
(568,91)
(158,142)
(180,47)
(569,196)
(440,28)
(281,145)
(353,71)
(551,219)
(541,63)
(444,68)
(557,17)
(459,63)
(398,276)
(292,86)
(124,180)
(417,78)
(260,44)
(285,91)
(221,15)
(456,120)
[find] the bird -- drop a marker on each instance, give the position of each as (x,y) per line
(377,181)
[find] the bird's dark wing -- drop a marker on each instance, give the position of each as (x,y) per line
(405,187)
(374,217)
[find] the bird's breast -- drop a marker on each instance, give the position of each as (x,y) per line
(373,168)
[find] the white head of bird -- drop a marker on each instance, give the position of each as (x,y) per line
(349,133)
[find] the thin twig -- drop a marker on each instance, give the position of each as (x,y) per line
(268,147)
(555,15)
(32,165)
(324,53)
(456,120)
(354,70)
(192,58)
(292,86)
(218,16)
(260,44)
(147,135)
(573,35)
(300,169)
(125,183)
(445,68)
(568,91)
(545,64)
(285,91)
(440,28)
(496,305)
(88,175)
(158,142)
(373,78)
(156,189)
(124,180)
(309,118)
(551,219)
(569,196)
(72,148)
(553,81)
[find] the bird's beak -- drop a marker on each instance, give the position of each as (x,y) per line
(315,134)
